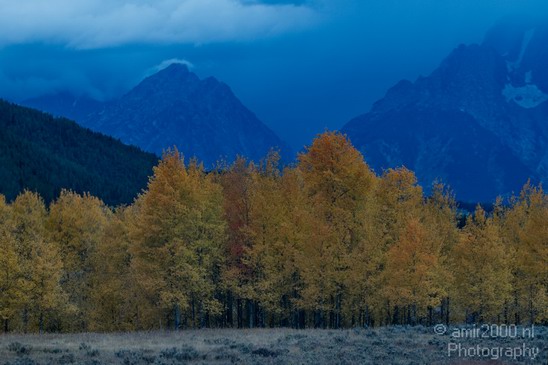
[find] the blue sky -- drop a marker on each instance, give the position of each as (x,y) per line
(301,66)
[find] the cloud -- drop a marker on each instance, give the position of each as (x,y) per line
(88,24)
(166,63)
(21,88)
(171,61)
(293,2)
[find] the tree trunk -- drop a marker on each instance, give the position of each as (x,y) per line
(388,317)
(251,313)
(177,315)
(338,312)
(317,319)
(41,322)
(531,307)
(201,316)
(193,314)
(447,311)
(240,313)
(229,305)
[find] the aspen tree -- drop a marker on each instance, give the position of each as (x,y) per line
(271,256)
(113,296)
(397,199)
(12,281)
(39,259)
(76,224)
(237,183)
(336,181)
(178,242)
(482,282)
(525,227)
(414,279)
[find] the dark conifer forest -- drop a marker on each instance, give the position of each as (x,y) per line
(43,154)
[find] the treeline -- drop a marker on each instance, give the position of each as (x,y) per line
(324,243)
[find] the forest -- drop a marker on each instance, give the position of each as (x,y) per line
(45,154)
(323,243)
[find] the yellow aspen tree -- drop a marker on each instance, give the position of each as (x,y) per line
(178,242)
(440,218)
(414,279)
(76,224)
(525,226)
(336,181)
(205,240)
(296,227)
(12,282)
(480,266)
(270,256)
(279,224)
(362,280)
(40,262)
(237,183)
(113,296)
(397,199)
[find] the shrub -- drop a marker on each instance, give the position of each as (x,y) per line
(23,361)
(184,353)
(19,349)
(67,359)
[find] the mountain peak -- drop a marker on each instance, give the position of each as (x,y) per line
(174,107)
(521,43)
(203,118)
(477,122)
(176,67)
(171,76)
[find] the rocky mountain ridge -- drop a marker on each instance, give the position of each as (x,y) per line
(479,122)
(175,108)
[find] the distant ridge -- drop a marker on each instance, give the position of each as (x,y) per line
(174,107)
(479,122)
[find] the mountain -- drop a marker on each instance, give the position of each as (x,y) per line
(45,154)
(479,122)
(174,107)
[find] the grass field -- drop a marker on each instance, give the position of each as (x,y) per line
(388,345)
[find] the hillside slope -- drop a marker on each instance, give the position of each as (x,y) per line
(45,154)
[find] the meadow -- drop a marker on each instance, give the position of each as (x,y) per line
(385,345)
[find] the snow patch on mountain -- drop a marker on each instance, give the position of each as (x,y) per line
(512,66)
(528,96)
(524,44)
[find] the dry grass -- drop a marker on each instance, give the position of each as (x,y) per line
(389,345)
